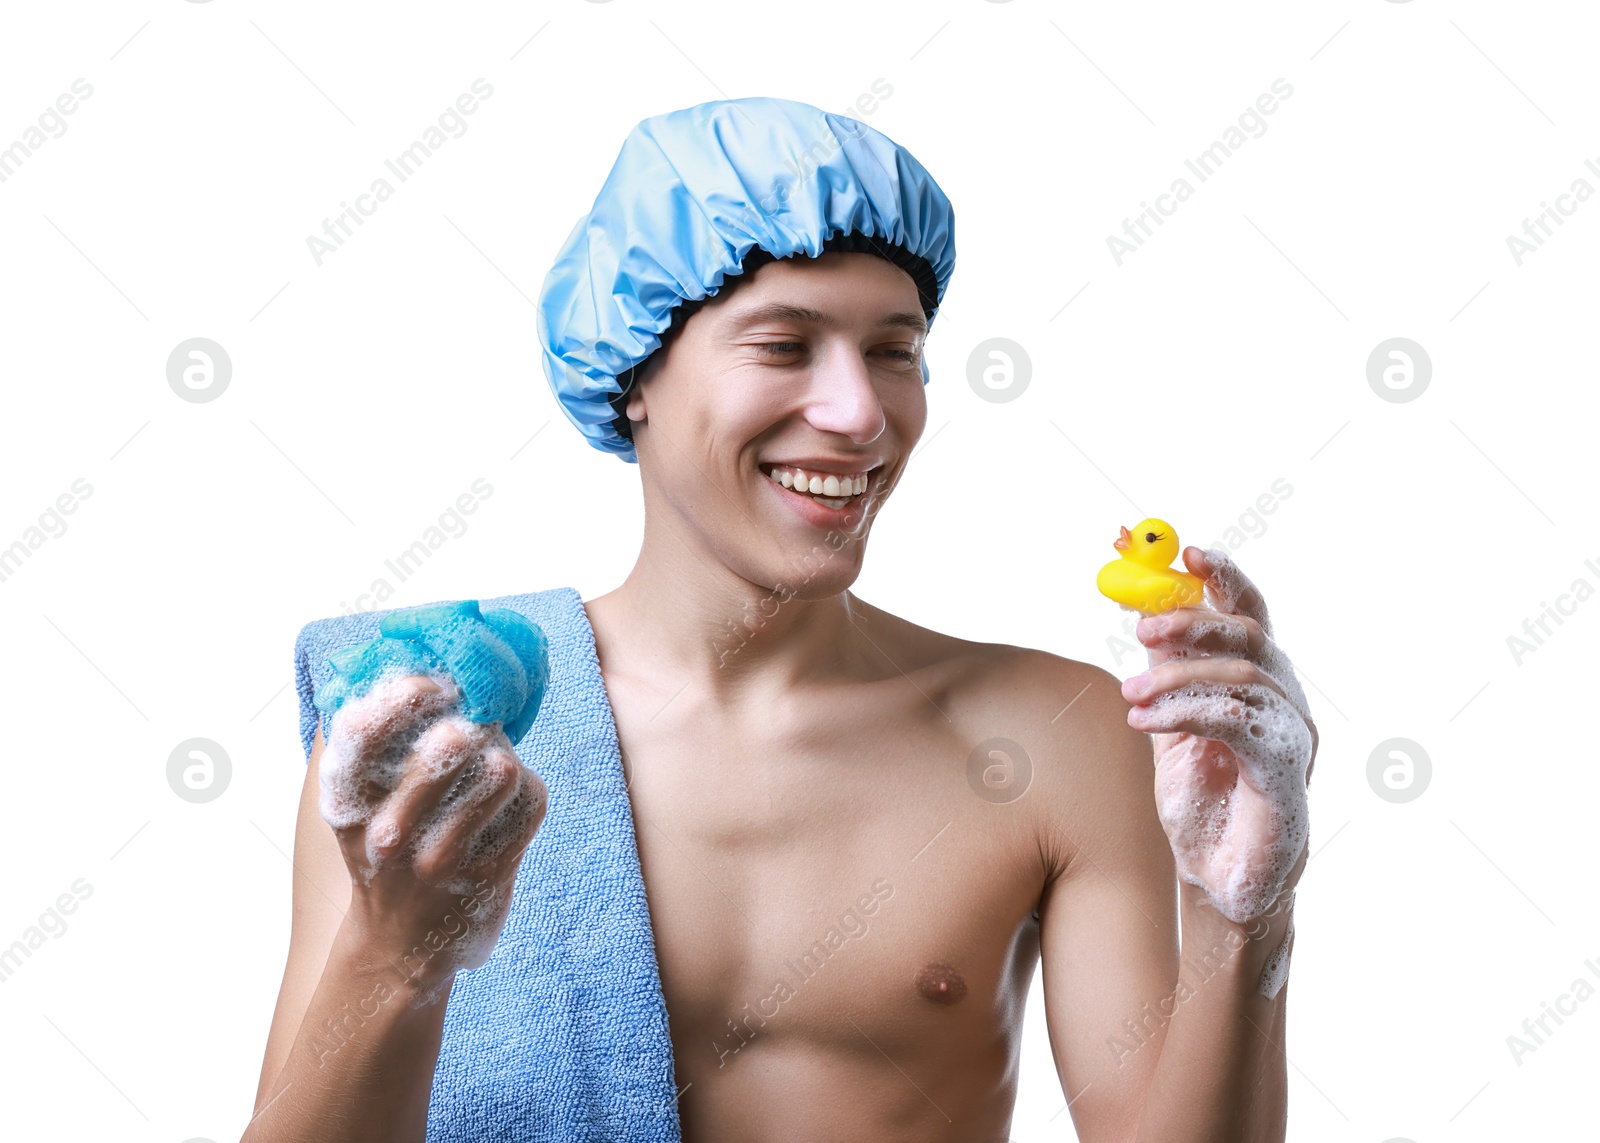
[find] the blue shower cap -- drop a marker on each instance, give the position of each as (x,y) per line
(692,193)
(498,658)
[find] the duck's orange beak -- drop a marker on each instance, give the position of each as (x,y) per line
(1121,542)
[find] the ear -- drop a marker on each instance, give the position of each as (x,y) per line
(634,406)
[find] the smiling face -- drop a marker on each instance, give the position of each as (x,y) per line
(809,371)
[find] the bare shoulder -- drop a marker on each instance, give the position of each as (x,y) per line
(1020,685)
(1086,775)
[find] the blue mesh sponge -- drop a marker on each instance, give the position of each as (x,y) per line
(499,659)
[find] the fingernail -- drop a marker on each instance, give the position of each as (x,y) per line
(1139,684)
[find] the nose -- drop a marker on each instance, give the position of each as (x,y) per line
(844,400)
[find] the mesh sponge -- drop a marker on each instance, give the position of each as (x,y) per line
(499,659)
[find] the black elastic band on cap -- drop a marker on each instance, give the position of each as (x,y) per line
(914,264)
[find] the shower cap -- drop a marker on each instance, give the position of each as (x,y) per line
(692,193)
(499,658)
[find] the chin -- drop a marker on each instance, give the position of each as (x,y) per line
(822,572)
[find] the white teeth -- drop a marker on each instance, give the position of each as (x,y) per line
(830,485)
(840,502)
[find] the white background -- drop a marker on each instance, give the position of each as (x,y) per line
(1229,352)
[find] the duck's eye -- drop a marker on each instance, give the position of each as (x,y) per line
(1151,537)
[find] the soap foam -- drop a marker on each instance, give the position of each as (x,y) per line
(368,740)
(1206,828)
(1233,641)
(366,751)
(1276,968)
(1268,736)
(1229,591)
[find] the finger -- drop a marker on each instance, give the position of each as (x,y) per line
(1191,632)
(1230,590)
(503,867)
(1169,676)
(439,769)
(1176,673)
(369,740)
(387,708)
(490,864)
(511,830)
(385,719)
(1187,633)
(440,854)
(1227,588)
(1256,722)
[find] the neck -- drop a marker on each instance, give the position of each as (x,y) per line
(688,619)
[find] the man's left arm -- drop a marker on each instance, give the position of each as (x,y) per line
(1221,1071)
(1197,1052)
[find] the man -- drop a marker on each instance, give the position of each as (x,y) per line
(796,756)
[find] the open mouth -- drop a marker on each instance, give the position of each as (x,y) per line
(831,489)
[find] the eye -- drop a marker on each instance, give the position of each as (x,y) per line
(785,348)
(1151,537)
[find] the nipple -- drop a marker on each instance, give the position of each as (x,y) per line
(941,984)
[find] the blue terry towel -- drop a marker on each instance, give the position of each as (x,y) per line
(562,1034)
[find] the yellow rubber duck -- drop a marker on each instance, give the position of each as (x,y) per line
(1143,577)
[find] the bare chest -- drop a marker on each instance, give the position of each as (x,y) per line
(829,896)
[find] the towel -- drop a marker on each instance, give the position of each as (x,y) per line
(562,1034)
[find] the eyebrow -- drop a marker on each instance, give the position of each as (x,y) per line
(782,311)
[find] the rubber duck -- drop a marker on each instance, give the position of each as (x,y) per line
(1142,577)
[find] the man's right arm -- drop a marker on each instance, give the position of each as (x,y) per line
(347,1058)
